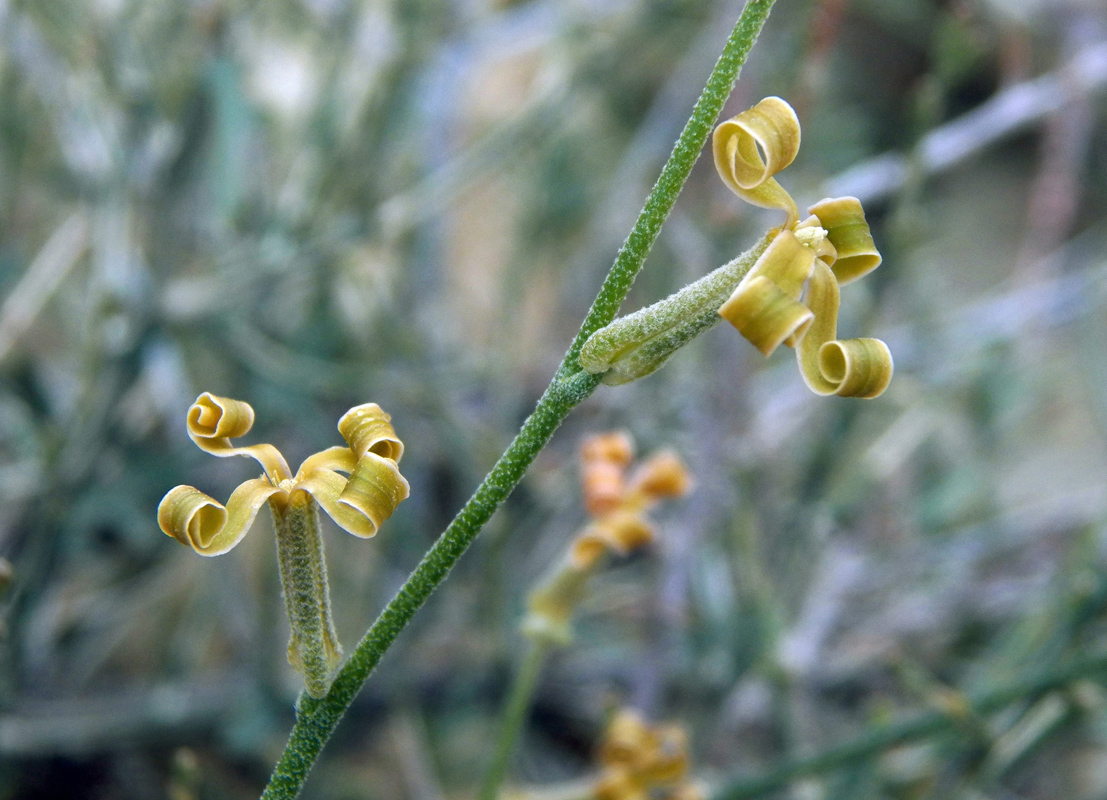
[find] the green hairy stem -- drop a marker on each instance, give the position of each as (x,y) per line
(317,718)
(633,346)
(313,649)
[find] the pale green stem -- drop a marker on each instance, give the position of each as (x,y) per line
(313,649)
(635,345)
(515,714)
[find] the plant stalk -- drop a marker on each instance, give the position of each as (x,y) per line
(317,718)
(515,714)
(313,649)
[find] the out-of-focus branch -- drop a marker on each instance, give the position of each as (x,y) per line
(88,725)
(881,738)
(43,277)
(1009,111)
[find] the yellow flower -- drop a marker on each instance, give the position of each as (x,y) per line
(643,761)
(791,294)
(618,506)
(358,504)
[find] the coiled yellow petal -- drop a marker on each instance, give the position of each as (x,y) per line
(211,529)
(604,459)
(765,315)
(361,503)
(333,458)
(765,306)
(374,490)
(662,475)
(752,147)
(213,421)
(622,531)
(212,417)
(368,429)
(847,230)
(849,368)
(862,367)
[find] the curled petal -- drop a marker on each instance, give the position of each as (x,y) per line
(213,421)
(375,488)
(603,486)
(752,147)
(851,367)
(787,262)
(195,519)
(621,532)
(360,504)
(212,417)
(770,314)
(663,475)
(862,367)
(765,315)
(615,446)
(604,459)
(368,429)
(334,458)
(844,220)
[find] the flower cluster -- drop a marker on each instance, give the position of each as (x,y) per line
(644,762)
(791,294)
(618,505)
(358,504)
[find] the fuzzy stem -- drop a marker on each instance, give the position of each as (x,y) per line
(313,649)
(317,719)
(673,175)
(515,714)
(635,345)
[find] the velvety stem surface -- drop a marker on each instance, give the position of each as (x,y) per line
(313,649)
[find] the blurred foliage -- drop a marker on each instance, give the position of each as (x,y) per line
(309,204)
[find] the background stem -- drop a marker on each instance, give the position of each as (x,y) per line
(877,740)
(515,713)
